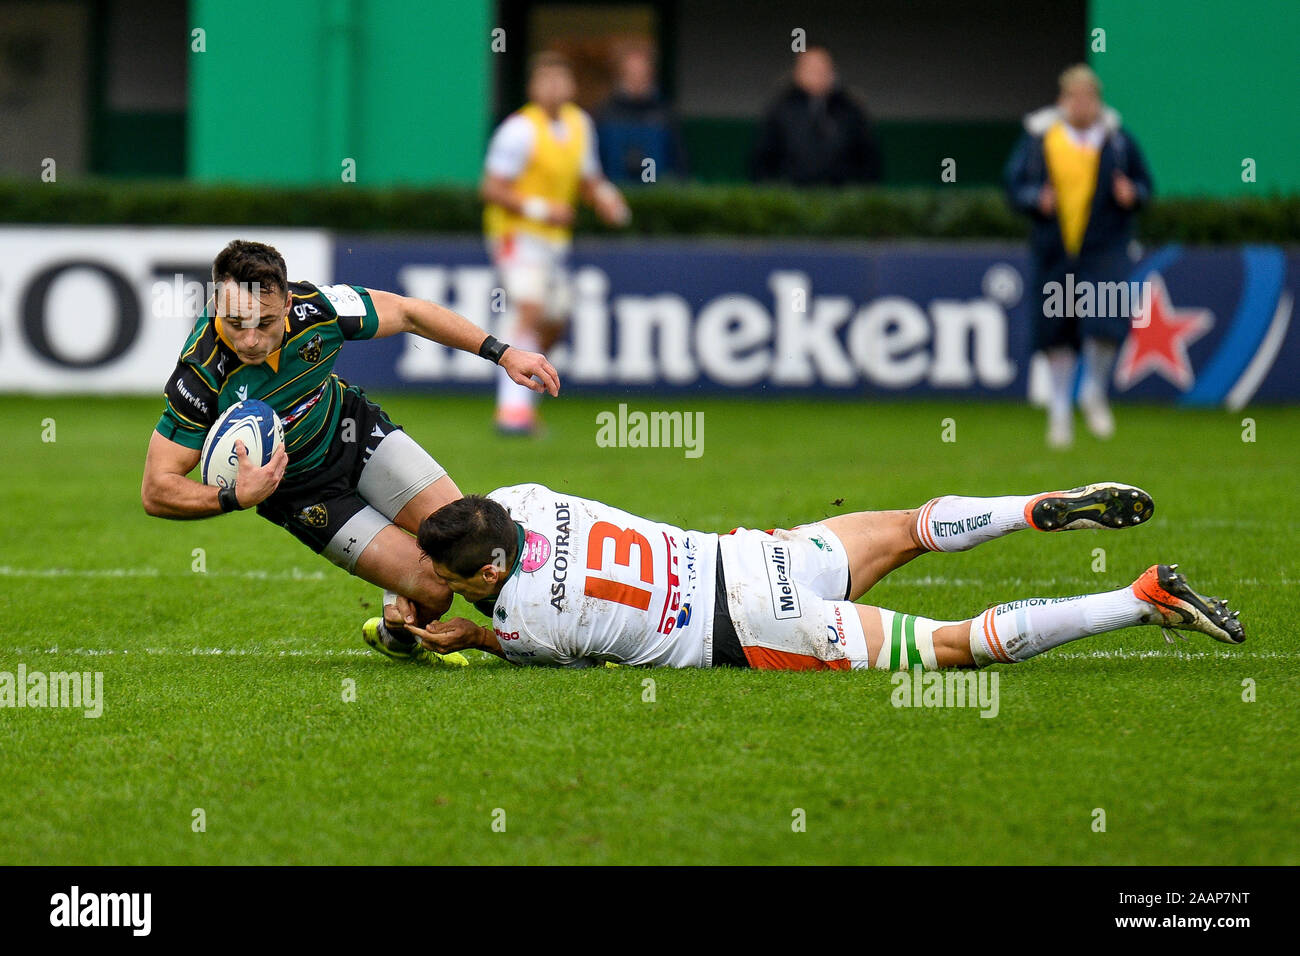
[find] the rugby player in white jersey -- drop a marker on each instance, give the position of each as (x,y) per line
(572,582)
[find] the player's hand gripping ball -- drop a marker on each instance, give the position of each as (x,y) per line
(253,422)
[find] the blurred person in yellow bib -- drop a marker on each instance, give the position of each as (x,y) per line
(541,160)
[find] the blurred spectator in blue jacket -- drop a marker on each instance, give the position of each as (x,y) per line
(635,124)
(816,132)
(1080,177)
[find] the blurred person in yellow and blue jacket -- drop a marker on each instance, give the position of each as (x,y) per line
(1080,177)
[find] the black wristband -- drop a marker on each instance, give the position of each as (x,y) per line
(492,350)
(228,500)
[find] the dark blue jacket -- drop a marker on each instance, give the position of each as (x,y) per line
(630,130)
(1110,227)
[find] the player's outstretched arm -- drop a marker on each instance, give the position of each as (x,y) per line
(168,492)
(458,634)
(398,313)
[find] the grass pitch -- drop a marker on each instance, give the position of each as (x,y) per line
(224,690)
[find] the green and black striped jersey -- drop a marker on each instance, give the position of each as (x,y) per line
(297,380)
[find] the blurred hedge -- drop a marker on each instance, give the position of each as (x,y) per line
(662,210)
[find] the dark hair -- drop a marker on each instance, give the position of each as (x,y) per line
(465,534)
(249,262)
(548,59)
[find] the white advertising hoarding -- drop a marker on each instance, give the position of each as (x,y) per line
(106,310)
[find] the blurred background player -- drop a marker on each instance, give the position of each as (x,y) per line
(1080,177)
(816,132)
(635,123)
(539,162)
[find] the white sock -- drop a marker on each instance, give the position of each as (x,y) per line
(955,523)
(1061,363)
(515,404)
(1098,360)
(1020,630)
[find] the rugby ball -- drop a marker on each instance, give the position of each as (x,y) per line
(251,421)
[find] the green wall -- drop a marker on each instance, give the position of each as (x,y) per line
(1204,84)
(286,91)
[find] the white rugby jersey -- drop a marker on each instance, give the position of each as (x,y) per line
(593,583)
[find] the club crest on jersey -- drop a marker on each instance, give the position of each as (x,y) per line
(314,517)
(537,551)
(501,614)
(312,350)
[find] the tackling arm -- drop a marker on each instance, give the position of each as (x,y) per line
(458,634)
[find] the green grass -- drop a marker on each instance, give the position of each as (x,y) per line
(223,690)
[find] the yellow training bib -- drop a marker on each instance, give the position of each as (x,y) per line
(554,172)
(1073,171)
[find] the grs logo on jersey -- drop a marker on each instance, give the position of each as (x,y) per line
(560,569)
(785,599)
(305,309)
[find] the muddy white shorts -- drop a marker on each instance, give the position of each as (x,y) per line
(787,596)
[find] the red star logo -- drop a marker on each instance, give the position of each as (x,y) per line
(1158,342)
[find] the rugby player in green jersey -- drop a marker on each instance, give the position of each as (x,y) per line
(348,482)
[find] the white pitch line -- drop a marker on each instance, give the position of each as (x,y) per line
(293,574)
(941,581)
(1170,652)
(196,652)
(297,574)
(1165,653)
